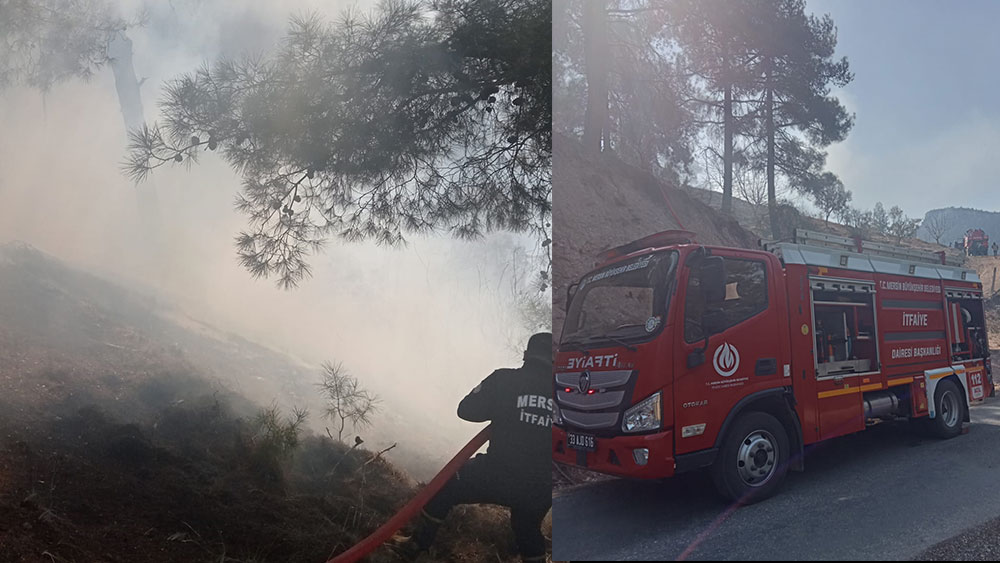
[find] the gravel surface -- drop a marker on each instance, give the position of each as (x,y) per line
(978,543)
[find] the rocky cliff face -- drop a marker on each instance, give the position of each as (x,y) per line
(957,220)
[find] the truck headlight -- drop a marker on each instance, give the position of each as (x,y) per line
(644,416)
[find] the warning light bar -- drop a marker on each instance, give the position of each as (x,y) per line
(657,240)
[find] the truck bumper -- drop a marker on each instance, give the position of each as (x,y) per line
(614,456)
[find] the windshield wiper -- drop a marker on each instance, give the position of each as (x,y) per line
(627,346)
(572,340)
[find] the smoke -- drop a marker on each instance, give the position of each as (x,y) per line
(420,325)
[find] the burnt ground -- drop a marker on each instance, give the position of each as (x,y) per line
(192,486)
(120,440)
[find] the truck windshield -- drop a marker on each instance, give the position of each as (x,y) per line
(625,301)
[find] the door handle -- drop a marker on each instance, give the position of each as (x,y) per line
(766,366)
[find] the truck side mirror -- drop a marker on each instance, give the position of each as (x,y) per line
(713,279)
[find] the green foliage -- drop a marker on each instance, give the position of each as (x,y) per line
(880,219)
(535,310)
(901,226)
(272,440)
(346,400)
(647,124)
(798,114)
(404,120)
(43,42)
(858,222)
(715,50)
(532,304)
(747,83)
(797,62)
(893,223)
(832,199)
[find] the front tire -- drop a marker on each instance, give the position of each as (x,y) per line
(753,459)
(949,411)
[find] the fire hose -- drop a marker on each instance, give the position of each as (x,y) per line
(663,190)
(405,514)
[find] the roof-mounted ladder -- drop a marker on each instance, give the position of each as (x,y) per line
(848,244)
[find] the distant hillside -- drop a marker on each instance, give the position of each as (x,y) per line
(959,220)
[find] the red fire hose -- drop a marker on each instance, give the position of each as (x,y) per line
(663,190)
(405,514)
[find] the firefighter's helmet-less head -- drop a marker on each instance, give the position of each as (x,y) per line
(539,347)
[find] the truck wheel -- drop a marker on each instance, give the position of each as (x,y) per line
(753,459)
(949,408)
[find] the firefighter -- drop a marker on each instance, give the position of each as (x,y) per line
(516,469)
(994,249)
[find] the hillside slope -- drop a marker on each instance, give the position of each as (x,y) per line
(124,436)
(988,269)
(601,202)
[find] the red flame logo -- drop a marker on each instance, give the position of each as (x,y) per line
(726,359)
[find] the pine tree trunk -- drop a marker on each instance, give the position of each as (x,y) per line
(126,83)
(130,103)
(772,203)
(727,151)
(596,60)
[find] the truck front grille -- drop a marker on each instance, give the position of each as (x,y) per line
(599,410)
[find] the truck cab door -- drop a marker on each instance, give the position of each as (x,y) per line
(730,343)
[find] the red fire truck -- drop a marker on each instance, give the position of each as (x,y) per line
(977,243)
(677,356)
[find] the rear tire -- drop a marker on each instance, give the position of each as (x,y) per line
(753,459)
(949,411)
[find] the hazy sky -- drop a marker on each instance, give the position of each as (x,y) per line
(927,131)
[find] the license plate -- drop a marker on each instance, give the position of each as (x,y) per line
(583,442)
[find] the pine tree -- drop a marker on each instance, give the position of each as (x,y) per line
(44,42)
(375,126)
(713,34)
(634,76)
(597,56)
(798,115)
(832,199)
